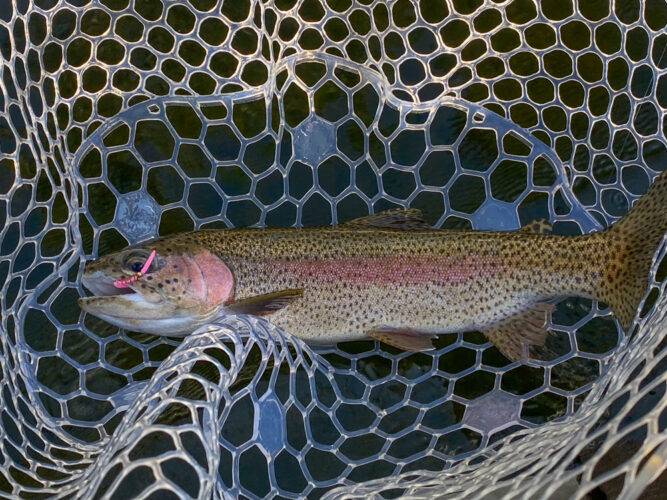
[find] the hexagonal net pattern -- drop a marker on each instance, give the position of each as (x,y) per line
(121,121)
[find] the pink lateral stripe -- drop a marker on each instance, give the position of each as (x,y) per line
(385,270)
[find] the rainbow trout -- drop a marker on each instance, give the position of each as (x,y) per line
(387,276)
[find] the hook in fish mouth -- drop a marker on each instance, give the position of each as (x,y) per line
(100,285)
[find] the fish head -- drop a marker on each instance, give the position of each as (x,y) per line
(183,287)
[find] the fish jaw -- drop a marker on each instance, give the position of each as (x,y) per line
(127,306)
(110,309)
(133,312)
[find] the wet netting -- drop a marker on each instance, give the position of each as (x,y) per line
(121,120)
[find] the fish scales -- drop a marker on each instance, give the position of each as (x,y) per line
(358,279)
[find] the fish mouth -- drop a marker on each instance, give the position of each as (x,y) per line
(109,301)
(100,285)
(127,308)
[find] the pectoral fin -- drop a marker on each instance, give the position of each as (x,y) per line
(261,305)
(524,329)
(406,339)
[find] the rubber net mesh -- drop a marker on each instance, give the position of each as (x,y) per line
(123,120)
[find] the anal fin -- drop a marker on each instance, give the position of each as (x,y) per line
(522,330)
(406,339)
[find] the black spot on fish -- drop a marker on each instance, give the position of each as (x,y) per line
(160,285)
(168,282)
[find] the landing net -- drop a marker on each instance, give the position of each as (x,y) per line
(121,121)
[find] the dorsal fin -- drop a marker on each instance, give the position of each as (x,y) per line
(397,218)
(538,226)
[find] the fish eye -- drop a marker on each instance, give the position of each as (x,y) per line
(136,259)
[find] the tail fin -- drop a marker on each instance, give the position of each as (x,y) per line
(632,241)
